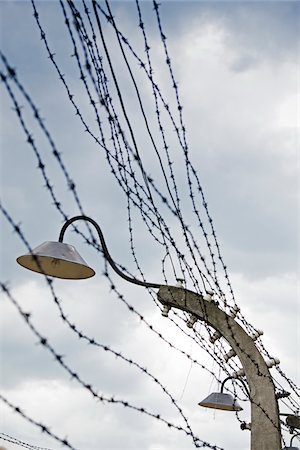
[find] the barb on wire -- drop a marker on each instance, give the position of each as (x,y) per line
(43,341)
(88,387)
(52,56)
(199,268)
(42,427)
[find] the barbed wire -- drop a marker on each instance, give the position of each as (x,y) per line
(12,75)
(20,443)
(156,89)
(177,210)
(81,335)
(42,340)
(168,60)
(92,341)
(77,16)
(17,229)
(112,116)
(29,249)
(131,132)
(248,326)
(149,198)
(121,166)
(42,427)
(59,358)
(110,19)
(139,195)
(44,37)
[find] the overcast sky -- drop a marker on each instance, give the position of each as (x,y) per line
(237,68)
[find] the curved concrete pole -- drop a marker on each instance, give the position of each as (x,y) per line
(265,423)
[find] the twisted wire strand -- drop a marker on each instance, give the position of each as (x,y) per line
(188,163)
(42,427)
(17,229)
(82,77)
(92,341)
(51,57)
(48,184)
(77,54)
(88,387)
(115,126)
(248,326)
(77,15)
(156,6)
(20,443)
(78,113)
(177,210)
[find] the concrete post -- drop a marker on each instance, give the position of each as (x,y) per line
(265,423)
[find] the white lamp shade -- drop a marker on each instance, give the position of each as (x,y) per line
(57,259)
(219,400)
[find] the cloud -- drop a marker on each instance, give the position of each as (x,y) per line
(243,142)
(266,29)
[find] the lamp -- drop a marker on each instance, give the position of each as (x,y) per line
(57,259)
(60,260)
(219,400)
(290,447)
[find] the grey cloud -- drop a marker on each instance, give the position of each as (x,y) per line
(268,30)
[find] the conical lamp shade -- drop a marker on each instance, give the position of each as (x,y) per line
(218,400)
(57,259)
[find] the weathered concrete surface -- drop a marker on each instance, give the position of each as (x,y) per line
(265,424)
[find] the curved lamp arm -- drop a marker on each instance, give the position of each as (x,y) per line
(295,435)
(105,251)
(237,379)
